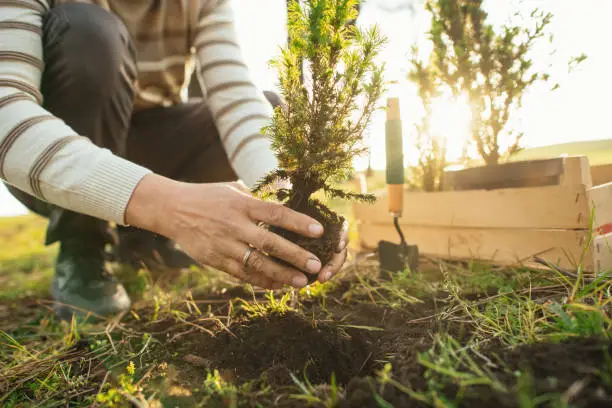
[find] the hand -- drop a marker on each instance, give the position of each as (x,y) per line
(216,223)
(335,265)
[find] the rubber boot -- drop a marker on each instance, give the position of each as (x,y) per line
(82,284)
(138,248)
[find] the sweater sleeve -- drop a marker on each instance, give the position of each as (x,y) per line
(239,108)
(39,153)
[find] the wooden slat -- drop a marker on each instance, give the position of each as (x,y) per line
(576,172)
(503,246)
(508,175)
(535,207)
(601,174)
(602,253)
(532,173)
(600,198)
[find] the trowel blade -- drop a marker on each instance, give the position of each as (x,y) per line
(396,258)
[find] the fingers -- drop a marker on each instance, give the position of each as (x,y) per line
(259,264)
(283,217)
(333,267)
(281,248)
(236,269)
(344,236)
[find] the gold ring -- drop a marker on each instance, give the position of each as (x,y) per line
(247,255)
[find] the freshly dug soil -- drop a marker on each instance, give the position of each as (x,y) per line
(271,348)
(324,247)
(274,346)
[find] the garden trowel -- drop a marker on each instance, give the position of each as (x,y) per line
(396,257)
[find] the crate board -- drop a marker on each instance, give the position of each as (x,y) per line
(601,174)
(533,207)
(600,200)
(563,171)
(502,246)
(602,253)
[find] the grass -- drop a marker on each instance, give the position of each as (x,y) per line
(598,151)
(23,256)
(445,336)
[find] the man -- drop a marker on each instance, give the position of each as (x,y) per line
(94,128)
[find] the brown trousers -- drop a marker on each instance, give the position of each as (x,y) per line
(84,50)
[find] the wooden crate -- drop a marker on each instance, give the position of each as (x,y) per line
(601,174)
(507,215)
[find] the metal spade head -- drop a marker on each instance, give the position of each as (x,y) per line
(396,258)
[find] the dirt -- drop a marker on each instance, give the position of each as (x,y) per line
(324,247)
(354,339)
(267,350)
(349,340)
(571,369)
(573,365)
(273,346)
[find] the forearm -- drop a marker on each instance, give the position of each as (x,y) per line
(151,206)
(39,153)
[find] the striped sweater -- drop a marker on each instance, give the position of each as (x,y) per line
(41,155)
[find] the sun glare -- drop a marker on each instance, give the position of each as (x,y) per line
(450,120)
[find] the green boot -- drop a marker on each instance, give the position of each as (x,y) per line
(138,248)
(82,284)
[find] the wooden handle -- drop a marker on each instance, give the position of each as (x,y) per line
(393,111)
(396,198)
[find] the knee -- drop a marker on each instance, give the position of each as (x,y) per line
(273,98)
(88,45)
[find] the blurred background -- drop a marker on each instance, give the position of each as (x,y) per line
(575,116)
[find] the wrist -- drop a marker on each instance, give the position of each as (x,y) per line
(150,207)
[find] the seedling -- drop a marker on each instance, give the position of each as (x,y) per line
(318,131)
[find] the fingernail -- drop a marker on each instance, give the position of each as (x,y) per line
(315,229)
(313,265)
(327,276)
(341,245)
(299,281)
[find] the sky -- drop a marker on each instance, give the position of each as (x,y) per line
(578,110)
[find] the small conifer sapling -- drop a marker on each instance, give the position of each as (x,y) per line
(317,131)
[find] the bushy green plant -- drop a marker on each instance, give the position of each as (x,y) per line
(428,174)
(318,131)
(490,66)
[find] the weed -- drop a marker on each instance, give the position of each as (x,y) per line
(126,391)
(527,396)
(320,395)
(393,294)
(576,320)
(215,386)
(271,307)
(513,320)
(384,377)
(447,362)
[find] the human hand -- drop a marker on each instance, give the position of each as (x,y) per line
(217,223)
(335,264)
